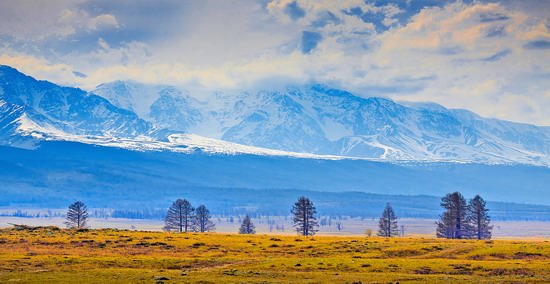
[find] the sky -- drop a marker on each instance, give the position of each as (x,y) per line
(489,57)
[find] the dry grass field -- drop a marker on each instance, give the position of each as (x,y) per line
(52,255)
(351,226)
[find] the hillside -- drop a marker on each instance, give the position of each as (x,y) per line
(108,177)
(81,145)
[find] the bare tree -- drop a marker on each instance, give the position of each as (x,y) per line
(369,232)
(478,219)
(339,226)
(180,216)
(387,225)
(304,217)
(202,220)
(77,216)
(452,224)
(247,227)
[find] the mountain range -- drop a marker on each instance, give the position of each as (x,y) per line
(319,120)
(66,142)
(311,119)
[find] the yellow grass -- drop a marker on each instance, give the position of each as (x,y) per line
(50,255)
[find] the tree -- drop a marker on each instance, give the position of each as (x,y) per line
(369,232)
(452,224)
(77,216)
(387,226)
(202,220)
(478,219)
(179,217)
(339,226)
(304,217)
(247,227)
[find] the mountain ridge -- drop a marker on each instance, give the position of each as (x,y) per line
(320,120)
(45,108)
(48,148)
(313,120)
(112,174)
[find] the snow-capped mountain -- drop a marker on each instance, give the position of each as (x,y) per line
(165,106)
(319,120)
(63,130)
(32,107)
(313,120)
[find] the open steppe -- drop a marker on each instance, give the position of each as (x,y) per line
(350,226)
(53,255)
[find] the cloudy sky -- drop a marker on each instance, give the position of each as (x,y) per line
(490,57)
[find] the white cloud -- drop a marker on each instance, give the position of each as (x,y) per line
(42,69)
(71,21)
(38,20)
(102,21)
(461,55)
(103,44)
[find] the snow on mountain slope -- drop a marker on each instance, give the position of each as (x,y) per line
(319,120)
(27,105)
(177,143)
(280,123)
(312,119)
(165,106)
(123,95)
(32,111)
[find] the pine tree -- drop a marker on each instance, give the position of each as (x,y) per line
(304,217)
(180,216)
(478,219)
(387,226)
(77,216)
(202,220)
(247,227)
(452,224)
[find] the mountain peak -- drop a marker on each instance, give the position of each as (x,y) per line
(314,119)
(51,110)
(6,68)
(8,71)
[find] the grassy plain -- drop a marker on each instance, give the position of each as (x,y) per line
(351,226)
(52,255)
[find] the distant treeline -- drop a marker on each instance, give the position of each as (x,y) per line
(136,181)
(274,202)
(150,214)
(160,214)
